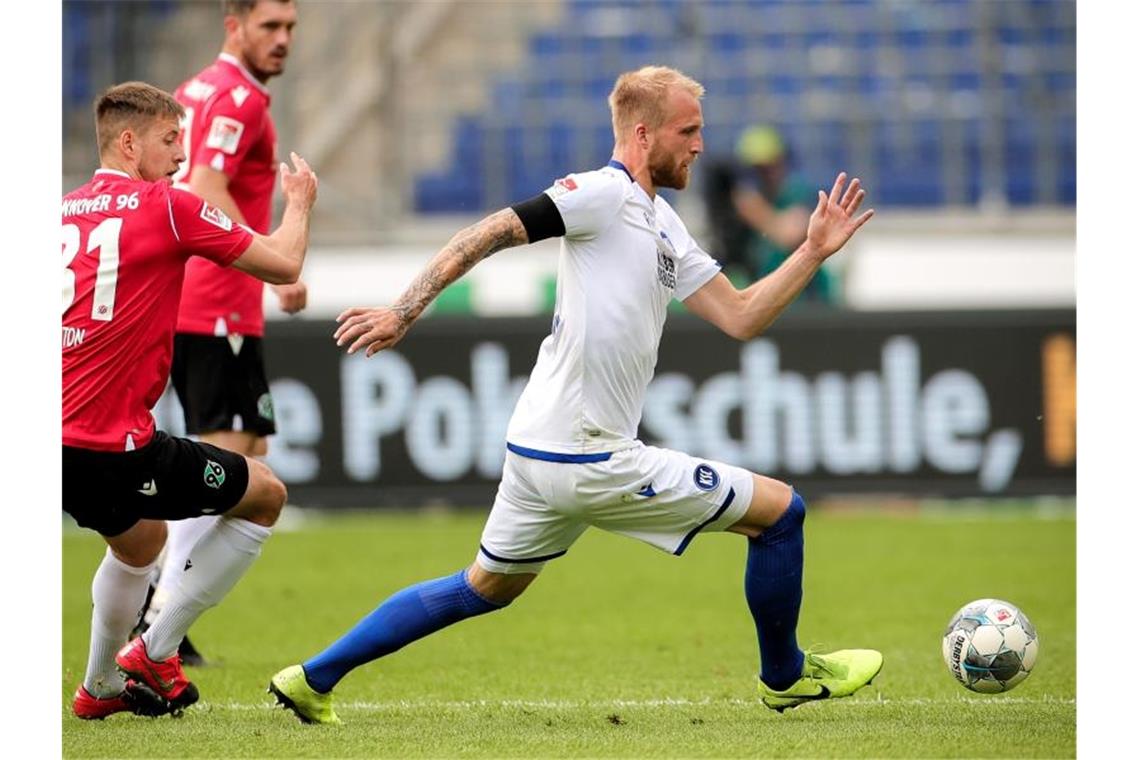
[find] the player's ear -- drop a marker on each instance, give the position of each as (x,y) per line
(128,143)
(641,134)
(231,24)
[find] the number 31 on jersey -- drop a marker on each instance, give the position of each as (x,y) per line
(104,239)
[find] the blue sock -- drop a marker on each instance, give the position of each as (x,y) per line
(402,618)
(773,586)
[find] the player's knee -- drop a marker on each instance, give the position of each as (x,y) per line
(264,496)
(770,499)
(498,588)
(141,544)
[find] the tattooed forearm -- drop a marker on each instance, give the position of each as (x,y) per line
(467,248)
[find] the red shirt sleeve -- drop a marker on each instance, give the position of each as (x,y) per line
(205,230)
(230,131)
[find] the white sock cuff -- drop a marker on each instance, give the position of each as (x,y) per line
(249,531)
(118,564)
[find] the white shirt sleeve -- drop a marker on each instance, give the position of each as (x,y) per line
(588,202)
(695,267)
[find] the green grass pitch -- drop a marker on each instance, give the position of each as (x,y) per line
(617,650)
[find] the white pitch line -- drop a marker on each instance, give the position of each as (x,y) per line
(553,704)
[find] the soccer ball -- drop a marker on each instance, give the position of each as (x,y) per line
(990,646)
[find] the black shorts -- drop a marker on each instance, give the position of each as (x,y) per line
(168,479)
(214,384)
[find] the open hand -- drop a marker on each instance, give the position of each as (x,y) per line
(378,328)
(834,222)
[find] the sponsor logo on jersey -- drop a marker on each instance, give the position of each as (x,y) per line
(666,270)
(563,186)
(225,134)
(705,477)
(239,94)
(215,474)
(216,217)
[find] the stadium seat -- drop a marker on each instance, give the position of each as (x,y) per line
(823,70)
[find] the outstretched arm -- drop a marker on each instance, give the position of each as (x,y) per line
(744,314)
(383,326)
(278,258)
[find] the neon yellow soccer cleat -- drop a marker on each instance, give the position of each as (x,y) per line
(826,676)
(294,693)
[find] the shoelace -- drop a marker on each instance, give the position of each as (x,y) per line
(817,663)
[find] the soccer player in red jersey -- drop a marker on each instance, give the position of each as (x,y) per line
(127,235)
(231,143)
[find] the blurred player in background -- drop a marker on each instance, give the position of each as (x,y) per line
(573,458)
(776,206)
(758,211)
(231,147)
(127,236)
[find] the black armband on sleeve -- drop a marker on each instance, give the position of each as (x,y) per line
(540,218)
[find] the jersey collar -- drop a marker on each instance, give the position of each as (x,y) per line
(615,164)
(619,165)
(116,172)
(231,60)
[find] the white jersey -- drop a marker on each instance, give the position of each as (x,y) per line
(623,258)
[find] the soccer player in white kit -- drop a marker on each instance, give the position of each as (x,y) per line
(573,459)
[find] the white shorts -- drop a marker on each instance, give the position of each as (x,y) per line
(658,496)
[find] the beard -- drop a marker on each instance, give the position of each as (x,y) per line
(663,172)
(266,68)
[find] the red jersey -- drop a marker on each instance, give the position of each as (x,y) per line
(228,128)
(125,246)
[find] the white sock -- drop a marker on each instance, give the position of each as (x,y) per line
(180,539)
(214,565)
(117,594)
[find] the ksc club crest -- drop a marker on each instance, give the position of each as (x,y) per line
(705,477)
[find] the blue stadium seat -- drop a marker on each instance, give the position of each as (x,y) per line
(1021,144)
(765,60)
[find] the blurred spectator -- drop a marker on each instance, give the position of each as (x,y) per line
(758,212)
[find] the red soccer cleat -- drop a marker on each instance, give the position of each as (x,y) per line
(165,678)
(136,699)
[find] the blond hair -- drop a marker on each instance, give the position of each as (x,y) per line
(640,96)
(131,105)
